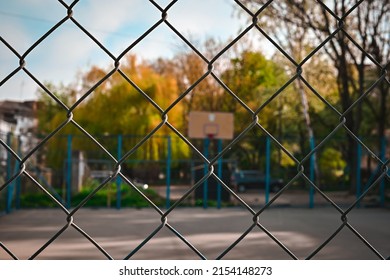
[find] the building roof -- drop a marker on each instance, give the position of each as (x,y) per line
(25,109)
(11,110)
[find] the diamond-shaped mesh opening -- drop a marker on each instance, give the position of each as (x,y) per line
(161,37)
(351,249)
(110,23)
(188,222)
(261,243)
(64,39)
(28,228)
(169,243)
(120,239)
(39,21)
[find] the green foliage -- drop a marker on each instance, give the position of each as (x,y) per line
(332,165)
(255,79)
(117,102)
(119,107)
(105,197)
(36,200)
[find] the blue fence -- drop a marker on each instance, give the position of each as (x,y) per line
(61,182)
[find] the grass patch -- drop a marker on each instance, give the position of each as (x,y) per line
(105,197)
(36,200)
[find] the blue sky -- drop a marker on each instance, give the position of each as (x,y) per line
(115,23)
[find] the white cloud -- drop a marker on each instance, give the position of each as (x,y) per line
(15,33)
(61,54)
(211,18)
(109,15)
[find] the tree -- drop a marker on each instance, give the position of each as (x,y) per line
(189,69)
(117,106)
(248,74)
(357,36)
(254,79)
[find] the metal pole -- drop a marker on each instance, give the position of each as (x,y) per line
(8,176)
(69,172)
(358,174)
(220,175)
(312,173)
(168,171)
(118,178)
(205,183)
(18,180)
(267,168)
(382,184)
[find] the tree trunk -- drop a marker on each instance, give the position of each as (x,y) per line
(384,92)
(343,81)
(310,132)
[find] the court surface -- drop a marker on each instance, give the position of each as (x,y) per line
(211,231)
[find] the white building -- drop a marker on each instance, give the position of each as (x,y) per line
(18,118)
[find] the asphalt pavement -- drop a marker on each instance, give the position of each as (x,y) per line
(211,231)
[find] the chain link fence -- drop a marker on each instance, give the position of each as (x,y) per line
(23,159)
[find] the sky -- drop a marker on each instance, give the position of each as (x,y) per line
(115,23)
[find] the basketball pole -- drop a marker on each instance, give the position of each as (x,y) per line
(207,142)
(220,174)
(207,125)
(206,147)
(9,175)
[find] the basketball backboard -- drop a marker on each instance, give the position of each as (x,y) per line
(218,125)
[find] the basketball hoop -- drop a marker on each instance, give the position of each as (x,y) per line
(210,125)
(210,136)
(210,130)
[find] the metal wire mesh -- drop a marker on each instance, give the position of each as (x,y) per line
(70,214)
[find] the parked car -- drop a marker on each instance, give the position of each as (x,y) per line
(254,179)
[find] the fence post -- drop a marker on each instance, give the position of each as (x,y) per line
(205,183)
(8,176)
(118,178)
(220,175)
(312,172)
(69,172)
(18,181)
(168,171)
(383,159)
(267,167)
(358,173)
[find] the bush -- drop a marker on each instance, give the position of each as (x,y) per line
(332,166)
(36,200)
(105,197)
